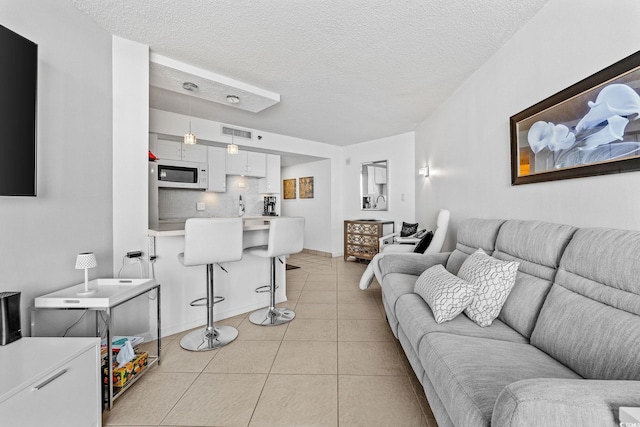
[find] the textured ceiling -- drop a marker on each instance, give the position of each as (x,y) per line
(347,71)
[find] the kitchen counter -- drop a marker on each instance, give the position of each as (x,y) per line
(167,228)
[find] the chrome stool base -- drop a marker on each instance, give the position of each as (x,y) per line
(272,317)
(209,338)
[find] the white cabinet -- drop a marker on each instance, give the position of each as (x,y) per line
(247,163)
(380,175)
(217,160)
(271,184)
(173,150)
(194,153)
(51,381)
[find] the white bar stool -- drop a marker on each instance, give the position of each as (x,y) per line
(209,241)
(286,236)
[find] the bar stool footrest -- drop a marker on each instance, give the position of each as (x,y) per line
(195,302)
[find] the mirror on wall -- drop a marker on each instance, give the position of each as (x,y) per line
(374,182)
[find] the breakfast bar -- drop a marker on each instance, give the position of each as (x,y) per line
(181,285)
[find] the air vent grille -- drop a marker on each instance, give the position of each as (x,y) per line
(237,133)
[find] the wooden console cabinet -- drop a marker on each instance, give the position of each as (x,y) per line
(361,237)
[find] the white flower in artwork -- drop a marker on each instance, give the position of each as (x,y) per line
(546,134)
(561,138)
(614,131)
(539,135)
(613,100)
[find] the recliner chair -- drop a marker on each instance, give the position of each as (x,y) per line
(442,224)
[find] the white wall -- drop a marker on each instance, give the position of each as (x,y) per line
(466,141)
(399,151)
(316,211)
(130,148)
(41,236)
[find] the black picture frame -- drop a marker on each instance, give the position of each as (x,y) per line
(545,152)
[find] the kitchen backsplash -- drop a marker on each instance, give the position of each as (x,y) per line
(180,204)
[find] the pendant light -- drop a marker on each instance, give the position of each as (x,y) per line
(189,138)
(232,148)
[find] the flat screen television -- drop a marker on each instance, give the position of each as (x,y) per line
(18,106)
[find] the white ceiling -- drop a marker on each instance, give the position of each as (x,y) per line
(347,71)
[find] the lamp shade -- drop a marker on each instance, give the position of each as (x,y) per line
(190,139)
(86,260)
(232,149)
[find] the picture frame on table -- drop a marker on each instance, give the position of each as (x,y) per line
(590,128)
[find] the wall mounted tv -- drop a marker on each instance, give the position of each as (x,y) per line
(18,105)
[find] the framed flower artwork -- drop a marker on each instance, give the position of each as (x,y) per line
(590,128)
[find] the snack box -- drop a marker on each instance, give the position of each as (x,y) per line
(123,374)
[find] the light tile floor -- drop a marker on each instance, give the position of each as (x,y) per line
(336,364)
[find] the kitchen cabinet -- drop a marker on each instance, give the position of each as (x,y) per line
(51,382)
(380,175)
(173,150)
(247,163)
(271,183)
(217,160)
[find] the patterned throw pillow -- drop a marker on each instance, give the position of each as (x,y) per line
(495,279)
(408,229)
(446,294)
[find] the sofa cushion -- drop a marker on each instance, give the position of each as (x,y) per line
(590,320)
(395,285)
(473,234)
(494,278)
(469,373)
(447,295)
(539,256)
(416,320)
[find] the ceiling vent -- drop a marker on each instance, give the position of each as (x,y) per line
(237,133)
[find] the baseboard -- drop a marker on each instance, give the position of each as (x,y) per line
(319,253)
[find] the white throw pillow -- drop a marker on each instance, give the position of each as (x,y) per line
(495,279)
(446,294)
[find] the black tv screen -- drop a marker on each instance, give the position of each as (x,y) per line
(18,90)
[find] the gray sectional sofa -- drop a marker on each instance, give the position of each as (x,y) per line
(565,349)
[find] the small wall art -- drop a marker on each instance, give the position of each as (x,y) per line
(306,187)
(590,128)
(289,188)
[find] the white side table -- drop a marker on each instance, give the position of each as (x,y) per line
(110,294)
(50,382)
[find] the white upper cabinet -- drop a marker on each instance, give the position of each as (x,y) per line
(247,163)
(217,169)
(194,153)
(380,175)
(271,184)
(173,150)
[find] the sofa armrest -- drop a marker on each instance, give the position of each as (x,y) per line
(554,401)
(388,239)
(407,263)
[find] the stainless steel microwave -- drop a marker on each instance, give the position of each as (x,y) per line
(182,174)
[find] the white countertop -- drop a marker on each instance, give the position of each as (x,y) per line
(167,228)
(109,293)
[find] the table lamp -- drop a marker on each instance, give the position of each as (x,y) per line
(86,260)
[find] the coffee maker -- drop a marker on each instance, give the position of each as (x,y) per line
(269,206)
